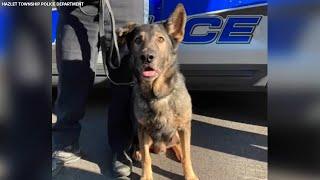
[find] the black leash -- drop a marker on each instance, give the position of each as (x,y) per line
(114,44)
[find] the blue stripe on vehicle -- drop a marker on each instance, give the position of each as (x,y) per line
(161,9)
(5,30)
(155,8)
(55,17)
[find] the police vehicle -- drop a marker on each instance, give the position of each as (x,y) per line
(225,43)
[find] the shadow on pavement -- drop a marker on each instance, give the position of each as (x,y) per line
(94,137)
(243,107)
(69,173)
(229,141)
(157,170)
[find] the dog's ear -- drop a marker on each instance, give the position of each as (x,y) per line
(176,23)
(123,33)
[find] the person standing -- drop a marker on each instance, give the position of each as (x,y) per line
(77,48)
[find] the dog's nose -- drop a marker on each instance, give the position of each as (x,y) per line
(147,58)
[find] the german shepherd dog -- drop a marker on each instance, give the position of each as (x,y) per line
(162,104)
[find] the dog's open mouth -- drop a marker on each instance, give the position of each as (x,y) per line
(149,72)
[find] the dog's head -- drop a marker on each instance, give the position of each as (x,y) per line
(153,46)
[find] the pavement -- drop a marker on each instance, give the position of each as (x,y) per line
(229,140)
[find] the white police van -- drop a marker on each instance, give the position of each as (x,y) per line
(225,44)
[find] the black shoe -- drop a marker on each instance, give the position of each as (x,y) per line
(121,165)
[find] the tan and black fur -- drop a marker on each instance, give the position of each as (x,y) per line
(162,104)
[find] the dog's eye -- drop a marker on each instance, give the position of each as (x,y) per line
(160,39)
(138,40)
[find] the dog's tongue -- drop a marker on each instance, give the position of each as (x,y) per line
(149,73)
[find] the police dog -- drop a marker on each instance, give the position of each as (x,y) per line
(162,104)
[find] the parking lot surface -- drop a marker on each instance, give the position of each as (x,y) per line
(229,140)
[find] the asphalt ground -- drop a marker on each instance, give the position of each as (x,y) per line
(229,140)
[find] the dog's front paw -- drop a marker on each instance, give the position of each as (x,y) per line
(137,156)
(192,178)
(146,178)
